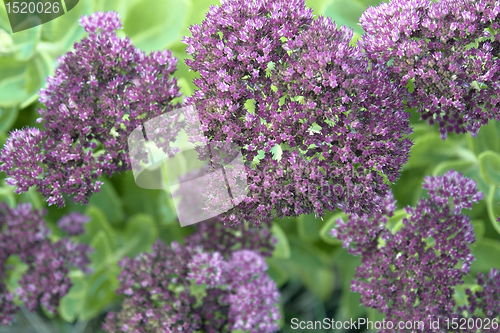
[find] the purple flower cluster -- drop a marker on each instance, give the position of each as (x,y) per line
(100,93)
(46,280)
(271,76)
(73,223)
(410,274)
(448,49)
(483,303)
(215,236)
(185,289)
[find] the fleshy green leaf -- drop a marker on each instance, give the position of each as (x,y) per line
(430,149)
(489,162)
(486,254)
(98,223)
(100,293)
(109,203)
(7,118)
(15,269)
(348,12)
(72,303)
(102,252)
(488,138)
(7,195)
(493,206)
(462,166)
(140,234)
(309,227)
(351,307)
(312,267)
(276,272)
(318,6)
(479,229)
(331,223)
(282,249)
(21,45)
(12,91)
(155,28)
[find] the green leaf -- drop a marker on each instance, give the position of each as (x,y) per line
(72,303)
(309,227)
(20,81)
(331,223)
(166,209)
(348,12)
(155,28)
(282,249)
(408,188)
(100,293)
(102,254)
(277,272)
(108,201)
(21,45)
(430,149)
(15,269)
(12,91)
(489,162)
(312,267)
(7,195)
(350,301)
(60,33)
(196,13)
(136,199)
(7,118)
(98,223)
(33,197)
(140,234)
(479,229)
(488,138)
(187,88)
(462,166)
(318,6)
(487,254)
(493,206)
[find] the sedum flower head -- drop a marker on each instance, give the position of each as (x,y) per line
(100,93)
(215,236)
(46,280)
(271,76)
(185,289)
(482,303)
(448,49)
(410,274)
(73,223)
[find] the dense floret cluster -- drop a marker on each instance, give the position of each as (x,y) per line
(409,275)
(484,302)
(271,77)
(45,280)
(100,93)
(448,49)
(215,236)
(73,223)
(186,289)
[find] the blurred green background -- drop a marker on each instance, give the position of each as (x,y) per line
(311,268)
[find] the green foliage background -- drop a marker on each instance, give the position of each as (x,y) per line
(312,269)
